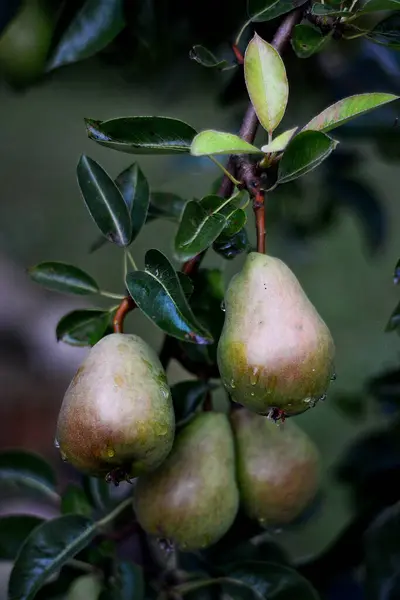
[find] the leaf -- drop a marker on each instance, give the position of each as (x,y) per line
(266,82)
(186,283)
(142,135)
(104,202)
(343,111)
(197,230)
(128,583)
(135,191)
(85,587)
(14,529)
(257,580)
(325,10)
(229,248)
(207,59)
(98,492)
(75,501)
(234,224)
(158,293)
(304,153)
(265,10)
(22,471)
(83,327)
(187,397)
(280,142)
(387,32)
(377,5)
(218,142)
(61,277)
(45,551)
(382,555)
(166,205)
(394,321)
(93,27)
(307,40)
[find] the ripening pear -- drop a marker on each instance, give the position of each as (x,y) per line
(192,498)
(278,468)
(117,414)
(275,351)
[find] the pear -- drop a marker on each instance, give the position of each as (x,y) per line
(275,351)
(278,468)
(192,498)
(117,416)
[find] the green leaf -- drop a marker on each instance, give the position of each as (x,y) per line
(207,59)
(127,583)
(45,551)
(378,5)
(307,40)
(394,321)
(234,224)
(158,293)
(85,587)
(257,580)
(142,135)
(343,111)
(98,492)
(14,529)
(61,277)
(382,555)
(218,142)
(166,205)
(304,153)
(135,191)
(93,27)
(266,82)
(229,248)
(265,10)
(325,10)
(280,142)
(186,283)
(104,202)
(83,327)
(387,32)
(197,230)
(75,501)
(22,471)
(187,397)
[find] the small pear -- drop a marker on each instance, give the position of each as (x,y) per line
(117,417)
(192,498)
(275,351)
(278,468)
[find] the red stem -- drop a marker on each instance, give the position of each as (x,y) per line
(259,213)
(126,306)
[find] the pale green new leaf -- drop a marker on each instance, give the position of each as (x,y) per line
(280,142)
(211,142)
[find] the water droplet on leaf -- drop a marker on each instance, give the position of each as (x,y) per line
(223,306)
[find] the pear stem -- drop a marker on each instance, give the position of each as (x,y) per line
(126,306)
(259,213)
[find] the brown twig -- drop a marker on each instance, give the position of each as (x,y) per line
(259,213)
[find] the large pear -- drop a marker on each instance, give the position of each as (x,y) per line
(278,468)
(192,498)
(275,351)
(117,416)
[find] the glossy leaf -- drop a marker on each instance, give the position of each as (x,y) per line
(61,277)
(75,501)
(343,111)
(387,32)
(207,59)
(265,10)
(235,222)
(83,327)
(186,283)
(257,580)
(197,230)
(21,472)
(280,142)
(14,529)
(48,548)
(325,10)
(382,555)
(93,27)
(218,142)
(166,205)
(158,293)
(142,135)
(127,584)
(307,40)
(187,397)
(104,202)
(97,492)
(229,248)
(266,82)
(304,153)
(377,5)
(135,191)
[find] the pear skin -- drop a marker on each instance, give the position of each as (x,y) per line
(192,498)
(275,351)
(117,414)
(278,468)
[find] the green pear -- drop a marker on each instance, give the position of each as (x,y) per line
(25,42)
(275,351)
(192,498)
(278,468)
(117,416)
